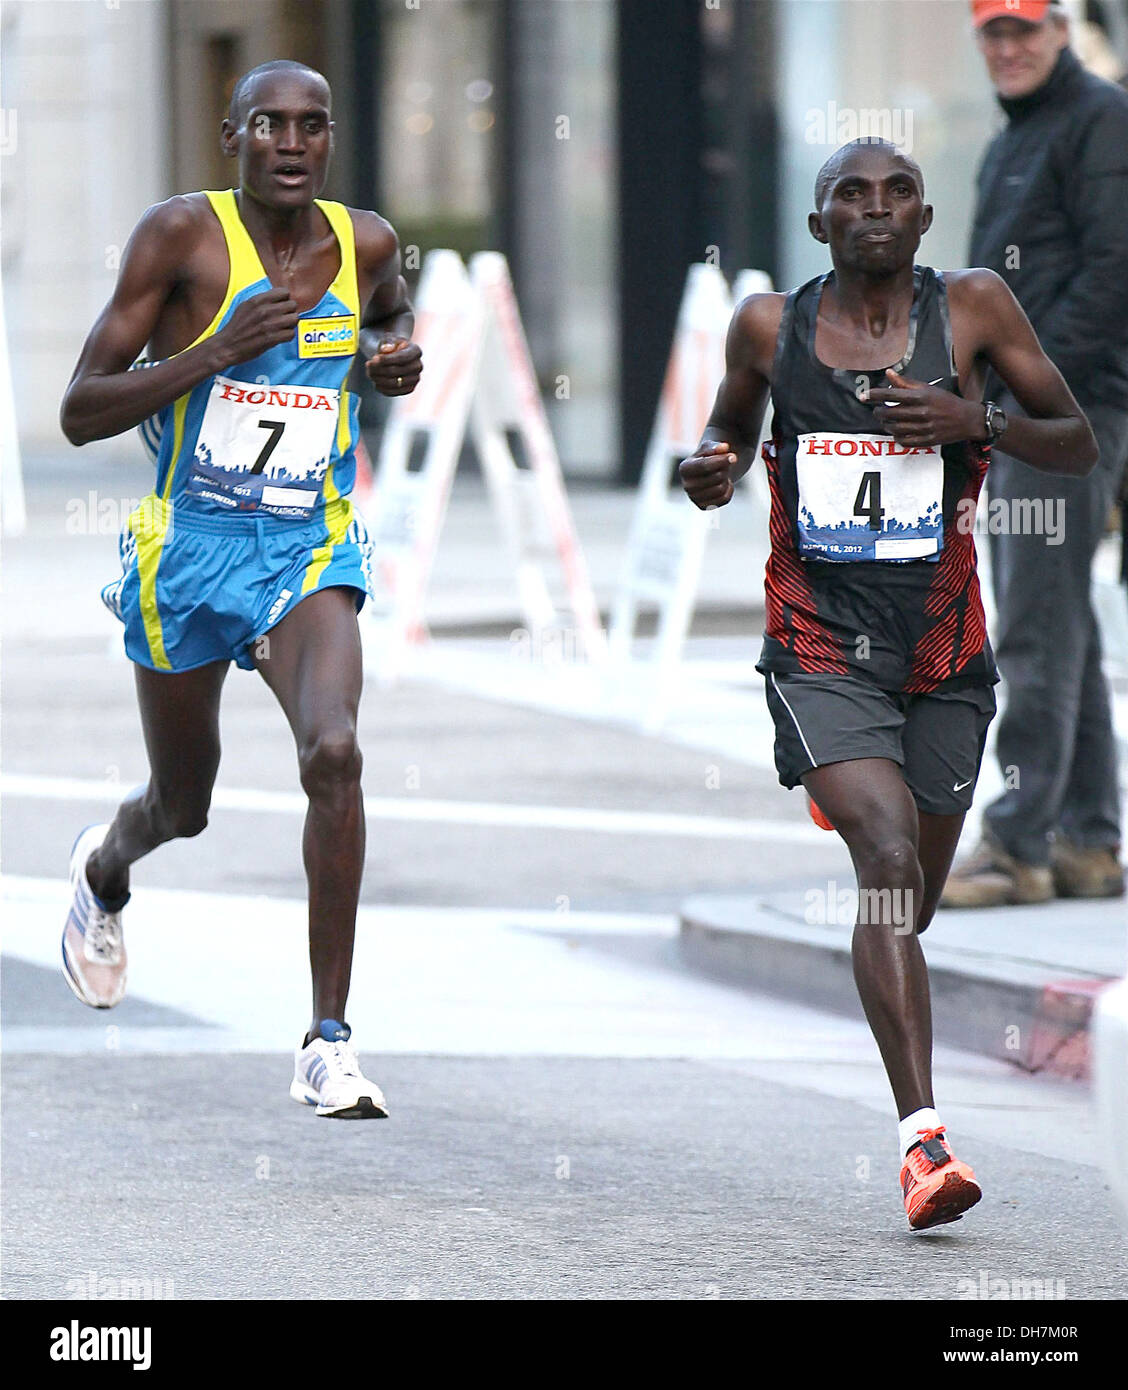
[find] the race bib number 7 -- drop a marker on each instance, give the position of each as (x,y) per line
(866,497)
(265,448)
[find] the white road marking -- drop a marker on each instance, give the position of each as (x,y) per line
(425,980)
(476,983)
(595,820)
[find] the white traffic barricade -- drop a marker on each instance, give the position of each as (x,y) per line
(13,511)
(527,489)
(418,456)
(667,540)
(477,377)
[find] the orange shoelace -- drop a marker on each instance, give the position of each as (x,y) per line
(916,1160)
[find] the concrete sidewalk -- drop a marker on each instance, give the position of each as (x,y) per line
(1013,983)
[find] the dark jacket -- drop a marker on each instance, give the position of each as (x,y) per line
(1052,199)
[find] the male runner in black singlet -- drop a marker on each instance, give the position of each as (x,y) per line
(878,670)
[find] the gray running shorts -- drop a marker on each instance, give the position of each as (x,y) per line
(936,739)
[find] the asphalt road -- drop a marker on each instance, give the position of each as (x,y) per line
(507,1178)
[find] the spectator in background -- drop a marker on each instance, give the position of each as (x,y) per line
(1091,42)
(1052,219)
(1099,56)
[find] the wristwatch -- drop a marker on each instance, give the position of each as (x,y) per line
(995,419)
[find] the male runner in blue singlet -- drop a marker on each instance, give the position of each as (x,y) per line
(878,670)
(252,303)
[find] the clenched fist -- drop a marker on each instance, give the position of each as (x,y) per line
(261,322)
(395,367)
(706,477)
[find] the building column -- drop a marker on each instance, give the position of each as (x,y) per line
(660,199)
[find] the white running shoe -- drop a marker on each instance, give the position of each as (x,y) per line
(327,1075)
(94,959)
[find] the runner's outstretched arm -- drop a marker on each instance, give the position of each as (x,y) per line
(728,443)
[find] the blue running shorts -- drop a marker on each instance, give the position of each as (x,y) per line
(196,588)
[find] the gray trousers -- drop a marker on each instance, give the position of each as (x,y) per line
(1054,739)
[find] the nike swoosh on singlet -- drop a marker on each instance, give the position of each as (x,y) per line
(937,382)
(960,785)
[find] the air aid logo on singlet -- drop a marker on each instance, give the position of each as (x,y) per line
(334,336)
(866,497)
(265,447)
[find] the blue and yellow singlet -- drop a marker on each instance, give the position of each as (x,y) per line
(276,434)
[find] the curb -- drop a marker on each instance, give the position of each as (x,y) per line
(1015,1011)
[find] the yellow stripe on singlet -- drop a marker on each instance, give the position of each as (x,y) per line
(338,519)
(179,411)
(245,266)
(329,487)
(150,523)
(345,442)
(345,288)
(344,285)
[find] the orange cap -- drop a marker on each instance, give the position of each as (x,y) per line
(1029,11)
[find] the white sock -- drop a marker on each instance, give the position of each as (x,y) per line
(907,1128)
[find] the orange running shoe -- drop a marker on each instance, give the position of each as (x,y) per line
(816,815)
(938,1188)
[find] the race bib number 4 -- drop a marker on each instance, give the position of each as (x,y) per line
(866,497)
(265,448)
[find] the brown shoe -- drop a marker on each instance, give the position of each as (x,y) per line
(990,877)
(1086,873)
